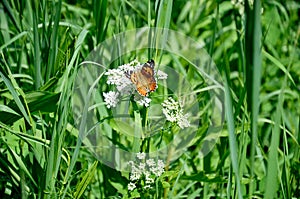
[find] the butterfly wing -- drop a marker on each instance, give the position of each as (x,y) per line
(148,73)
(144,79)
(138,80)
(134,78)
(142,90)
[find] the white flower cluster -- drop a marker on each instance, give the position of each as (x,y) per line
(143,101)
(111,98)
(124,85)
(174,113)
(144,172)
(161,75)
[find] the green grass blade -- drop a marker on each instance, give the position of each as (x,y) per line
(272,172)
(137,132)
(12,40)
(164,14)
(99,11)
(253,73)
(11,15)
(86,180)
(44,102)
(16,97)
(22,165)
(82,128)
(54,40)
(163,21)
(26,137)
(7,109)
(36,48)
(232,139)
(279,65)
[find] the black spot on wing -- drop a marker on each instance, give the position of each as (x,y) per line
(151,63)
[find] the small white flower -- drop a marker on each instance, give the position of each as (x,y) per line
(125,87)
(149,180)
(174,113)
(145,173)
(144,101)
(114,76)
(161,75)
(135,174)
(130,66)
(131,163)
(155,171)
(158,170)
(131,186)
(117,77)
(160,164)
(147,187)
(111,99)
(140,155)
(150,162)
(142,166)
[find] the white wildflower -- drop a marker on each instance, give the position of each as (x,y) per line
(150,162)
(142,166)
(157,171)
(145,172)
(131,186)
(131,163)
(140,155)
(147,187)
(160,164)
(174,113)
(114,76)
(135,174)
(161,75)
(117,77)
(147,175)
(111,99)
(125,87)
(144,101)
(149,180)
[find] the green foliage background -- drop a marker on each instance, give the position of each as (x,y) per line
(255,47)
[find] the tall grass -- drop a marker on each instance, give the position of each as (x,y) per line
(254,46)
(253,74)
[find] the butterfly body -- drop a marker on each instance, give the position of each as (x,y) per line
(143,79)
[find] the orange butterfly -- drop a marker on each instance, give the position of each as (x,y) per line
(144,79)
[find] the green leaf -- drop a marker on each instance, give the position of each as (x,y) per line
(19,107)
(90,174)
(45,102)
(119,187)
(279,65)
(6,109)
(121,127)
(166,185)
(21,164)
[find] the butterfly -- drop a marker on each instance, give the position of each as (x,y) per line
(143,79)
